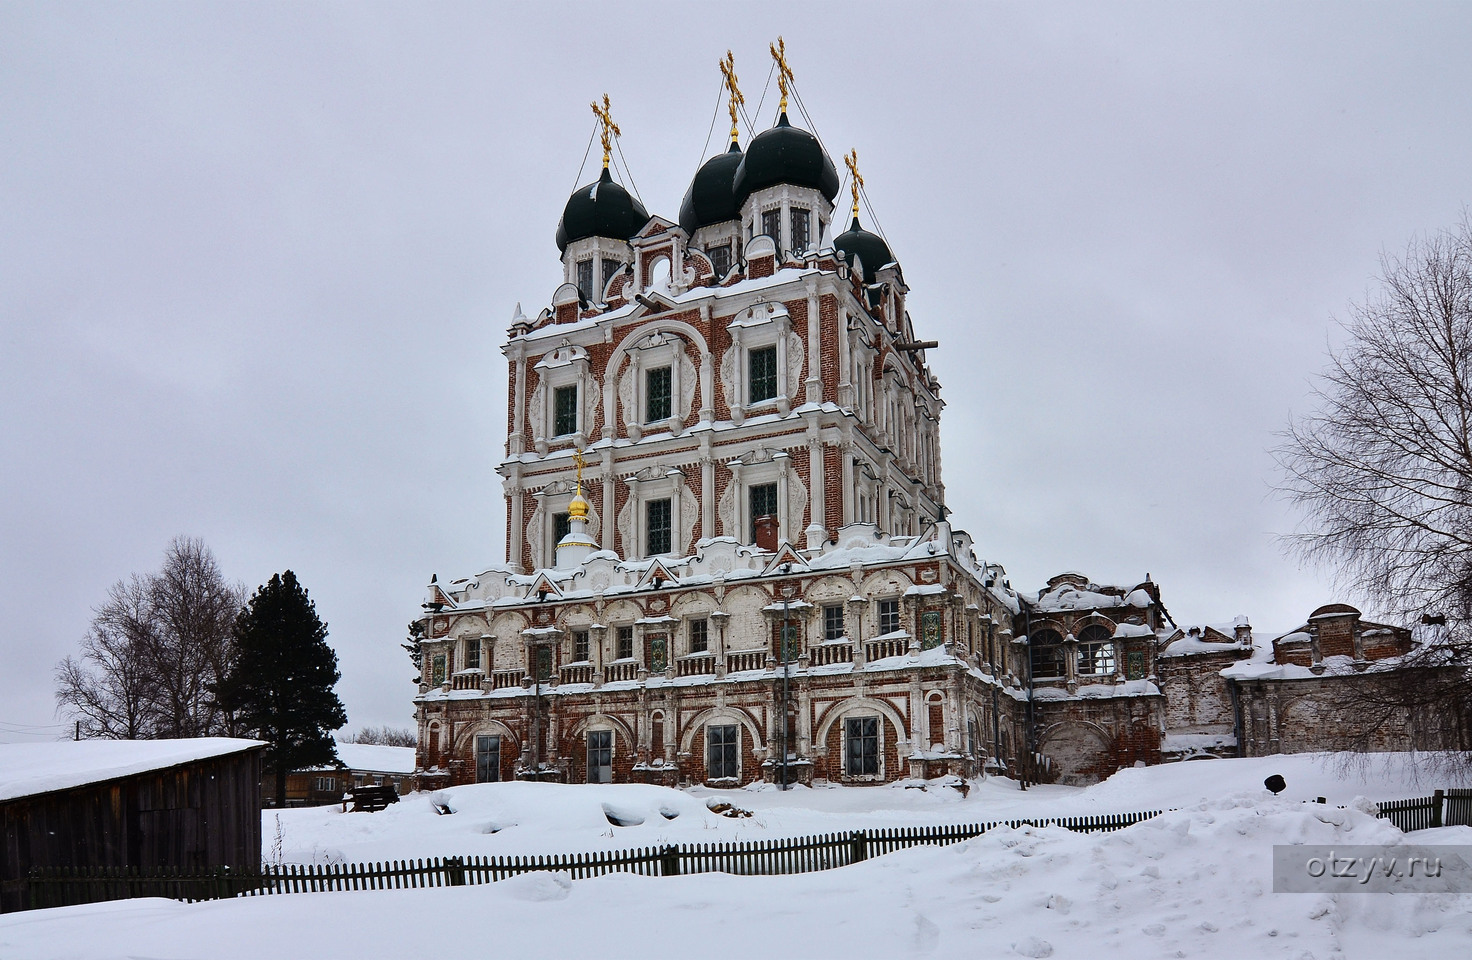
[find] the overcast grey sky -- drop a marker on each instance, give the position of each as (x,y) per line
(257,261)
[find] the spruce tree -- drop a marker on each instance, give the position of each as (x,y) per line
(281,681)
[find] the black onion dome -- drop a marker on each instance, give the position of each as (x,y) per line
(870,248)
(785,154)
(600,209)
(709,199)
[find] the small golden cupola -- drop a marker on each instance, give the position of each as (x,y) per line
(578,544)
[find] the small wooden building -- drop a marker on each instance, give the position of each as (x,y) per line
(190,804)
(359,764)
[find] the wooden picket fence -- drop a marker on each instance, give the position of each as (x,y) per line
(66,886)
(1444,808)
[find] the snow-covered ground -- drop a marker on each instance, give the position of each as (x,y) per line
(532,818)
(1196,882)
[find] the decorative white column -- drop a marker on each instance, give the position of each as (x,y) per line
(814,393)
(609,506)
(817,530)
(785,521)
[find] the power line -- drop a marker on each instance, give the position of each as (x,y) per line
(577,180)
(714,114)
(764,90)
(625,163)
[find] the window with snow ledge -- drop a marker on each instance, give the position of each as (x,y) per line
(764,363)
(1045,647)
(1096,655)
(698,631)
(723,751)
(861,747)
(580,646)
(720,259)
(833,623)
(657,527)
(624,642)
(889,616)
(657,394)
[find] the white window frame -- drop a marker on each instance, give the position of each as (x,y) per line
(723,722)
(878,718)
(566,366)
(747,475)
(671,487)
(690,635)
(761,325)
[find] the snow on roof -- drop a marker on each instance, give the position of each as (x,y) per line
(27,769)
(376,758)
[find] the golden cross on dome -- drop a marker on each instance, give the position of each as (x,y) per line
(577,458)
(610,129)
(852,160)
(784,72)
(734,97)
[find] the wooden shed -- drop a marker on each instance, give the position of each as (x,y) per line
(191,804)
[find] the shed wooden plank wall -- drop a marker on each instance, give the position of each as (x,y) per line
(201,814)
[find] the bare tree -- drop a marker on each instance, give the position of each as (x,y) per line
(109,689)
(155,651)
(194,610)
(385,736)
(1383,468)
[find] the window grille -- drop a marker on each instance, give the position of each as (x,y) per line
(580,646)
(889,616)
(1096,651)
(722,752)
(585,279)
(472,654)
(861,756)
(761,374)
(561,527)
(720,259)
(800,224)
(624,643)
(657,527)
(610,267)
(833,622)
(1046,651)
(565,411)
(772,226)
(699,635)
(657,394)
(763,500)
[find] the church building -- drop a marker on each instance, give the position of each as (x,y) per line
(729,556)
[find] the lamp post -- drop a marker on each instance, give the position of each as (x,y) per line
(784,660)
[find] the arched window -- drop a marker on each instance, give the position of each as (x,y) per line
(1046,647)
(1096,651)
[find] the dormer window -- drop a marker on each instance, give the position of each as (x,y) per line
(772,225)
(761,371)
(801,223)
(565,411)
(657,394)
(585,278)
(610,267)
(720,259)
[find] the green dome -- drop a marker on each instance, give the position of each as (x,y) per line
(785,154)
(710,198)
(600,209)
(870,248)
